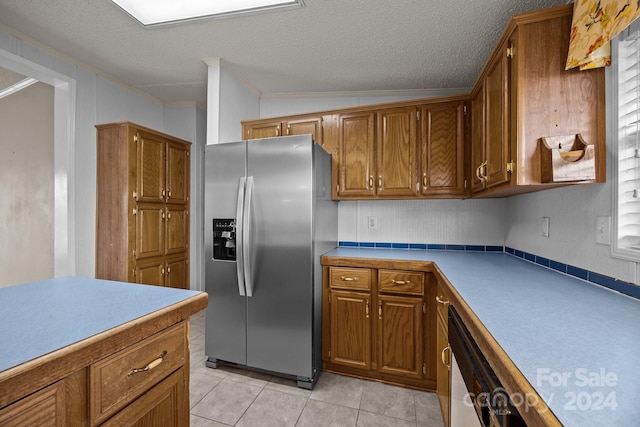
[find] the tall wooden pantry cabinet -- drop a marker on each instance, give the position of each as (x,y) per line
(142,206)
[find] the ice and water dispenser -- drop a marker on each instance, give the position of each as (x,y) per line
(224,239)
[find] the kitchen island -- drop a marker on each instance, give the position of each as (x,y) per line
(78,351)
(569,347)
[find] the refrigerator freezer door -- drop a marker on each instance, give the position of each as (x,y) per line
(225,333)
(279,318)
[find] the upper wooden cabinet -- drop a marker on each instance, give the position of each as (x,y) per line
(442,147)
(396,152)
(295,125)
(524,94)
(142,215)
(356,148)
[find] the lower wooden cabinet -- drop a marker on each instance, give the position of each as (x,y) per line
(45,408)
(400,336)
(375,323)
(444,352)
(164,405)
(351,341)
(145,384)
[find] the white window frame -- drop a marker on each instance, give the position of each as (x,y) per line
(618,250)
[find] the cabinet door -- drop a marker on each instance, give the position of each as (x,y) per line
(44,408)
(166,404)
(444,363)
(177,273)
(149,230)
(400,336)
(497,121)
(443,149)
(176,236)
(351,329)
(357,167)
(477,141)
(262,130)
(150,158)
(396,144)
(177,172)
(311,126)
(150,272)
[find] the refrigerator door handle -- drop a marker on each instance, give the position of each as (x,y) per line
(246,237)
(240,235)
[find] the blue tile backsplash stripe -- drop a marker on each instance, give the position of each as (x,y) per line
(590,276)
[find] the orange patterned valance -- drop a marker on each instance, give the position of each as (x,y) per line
(595,23)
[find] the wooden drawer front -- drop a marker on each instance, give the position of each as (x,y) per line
(401,282)
(45,408)
(113,381)
(350,278)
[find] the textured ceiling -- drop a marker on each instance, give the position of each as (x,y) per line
(328,46)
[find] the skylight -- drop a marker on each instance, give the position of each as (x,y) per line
(158,12)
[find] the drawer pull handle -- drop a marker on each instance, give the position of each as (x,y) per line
(441,300)
(348,279)
(401,282)
(150,366)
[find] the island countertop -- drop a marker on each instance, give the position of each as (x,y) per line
(51,328)
(576,343)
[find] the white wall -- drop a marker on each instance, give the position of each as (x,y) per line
(26,202)
(462,222)
(97,100)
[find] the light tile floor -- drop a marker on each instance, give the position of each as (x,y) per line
(229,396)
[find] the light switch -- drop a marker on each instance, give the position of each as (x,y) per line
(603,230)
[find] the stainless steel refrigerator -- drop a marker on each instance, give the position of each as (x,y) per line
(268,219)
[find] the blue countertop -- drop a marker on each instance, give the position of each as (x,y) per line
(40,317)
(577,343)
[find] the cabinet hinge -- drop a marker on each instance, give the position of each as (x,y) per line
(135,195)
(465,184)
(464,109)
(510,52)
(424,307)
(134,255)
(322,123)
(417,115)
(135,210)
(424,368)
(511,167)
(135,138)
(134,271)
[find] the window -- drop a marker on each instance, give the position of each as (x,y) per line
(626,162)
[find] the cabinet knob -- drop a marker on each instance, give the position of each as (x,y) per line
(150,366)
(401,282)
(370,182)
(380,182)
(348,279)
(424,180)
(380,310)
(366,309)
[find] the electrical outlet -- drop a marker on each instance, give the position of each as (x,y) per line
(545,226)
(373,222)
(603,230)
